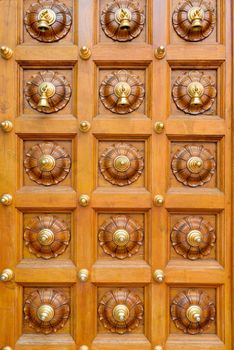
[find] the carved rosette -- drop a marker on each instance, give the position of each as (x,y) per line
(193,237)
(121,164)
(194,20)
(48,92)
(193,311)
(47,163)
(120,236)
(48,20)
(122,20)
(194,92)
(120,311)
(193,165)
(46,310)
(46,236)
(122,92)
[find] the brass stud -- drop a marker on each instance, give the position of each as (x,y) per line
(85,53)
(159,276)
(195,91)
(121,313)
(84,126)
(6,275)
(6,125)
(195,165)
(121,237)
(123,17)
(6,199)
(45,313)
(160,52)
(158,347)
(6,52)
(158,200)
(83,275)
(45,237)
(196,16)
(194,313)
(46,163)
(84,200)
(46,18)
(158,127)
(194,238)
(83,347)
(6,348)
(122,90)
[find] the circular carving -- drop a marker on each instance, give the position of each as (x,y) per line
(122,20)
(120,311)
(46,236)
(122,92)
(130,156)
(188,170)
(47,163)
(46,310)
(194,92)
(48,20)
(120,236)
(47,92)
(194,20)
(192,311)
(193,237)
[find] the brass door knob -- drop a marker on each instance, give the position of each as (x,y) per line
(84,126)
(83,347)
(121,313)
(45,313)
(160,52)
(7,348)
(6,52)
(85,53)
(158,127)
(194,313)
(83,275)
(158,347)
(6,125)
(194,238)
(159,276)
(6,275)
(6,199)
(158,200)
(84,200)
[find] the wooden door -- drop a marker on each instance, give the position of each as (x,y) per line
(115,174)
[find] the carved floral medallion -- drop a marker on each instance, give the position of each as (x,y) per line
(47,163)
(122,92)
(194,92)
(120,311)
(193,237)
(193,165)
(120,236)
(193,311)
(48,92)
(48,20)
(46,236)
(194,20)
(121,164)
(46,310)
(122,20)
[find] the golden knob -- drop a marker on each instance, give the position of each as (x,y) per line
(85,53)
(158,347)
(46,163)
(159,276)
(45,237)
(123,17)
(83,275)
(6,52)
(46,18)
(194,238)
(6,275)
(158,200)
(195,91)
(194,313)
(6,199)
(160,52)
(84,200)
(122,163)
(83,347)
(122,91)
(46,90)
(121,313)
(6,125)
(121,237)
(84,126)
(196,16)
(7,348)
(158,127)
(195,165)
(45,313)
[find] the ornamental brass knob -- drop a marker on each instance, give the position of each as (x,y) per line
(123,17)
(7,348)
(196,16)
(121,237)
(122,163)
(159,276)
(122,91)
(194,313)
(194,238)
(6,275)
(158,347)
(160,52)
(85,53)
(158,200)
(195,91)
(45,237)
(46,90)
(6,125)
(46,163)
(46,18)
(6,52)
(84,126)
(45,313)
(6,199)
(120,313)
(83,275)
(83,347)
(84,200)
(195,165)
(158,127)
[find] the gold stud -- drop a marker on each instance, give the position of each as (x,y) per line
(85,53)
(160,52)
(46,18)
(84,126)
(84,200)
(6,52)
(158,127)
(83,275)
(196,16)
(194,313)
(6,125)
(123,17)
(7,348)
(158,347)
(83,347)
(45,313)
(6,199)
(121,313)
(194,238)
(158,200)
(122,90)
(6,275)
(159,276)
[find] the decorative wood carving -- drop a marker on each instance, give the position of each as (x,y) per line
(47,163)
(193,311)
(194,92)
(120,311)
(193,237)
(47,236)
(194,20)
(122,92)
(121,164)
(120,236)
(48,92)
(46,310)
(193,165)
(122,20)
(48,20)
